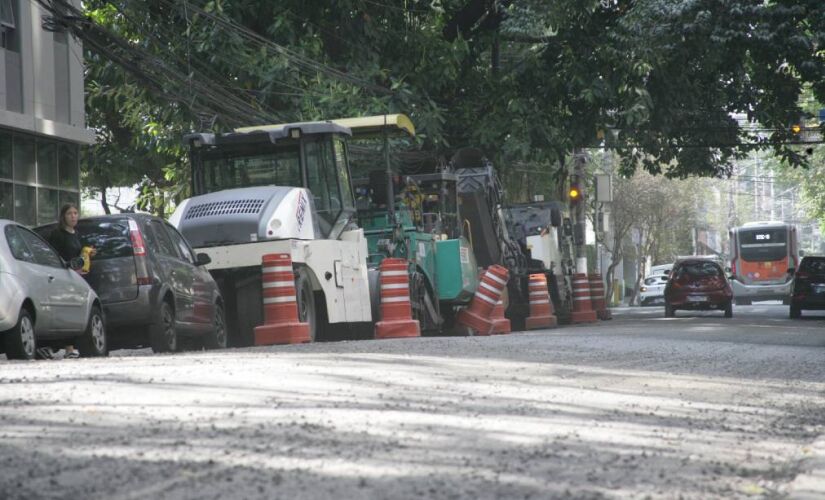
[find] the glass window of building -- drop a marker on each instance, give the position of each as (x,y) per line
(23,156)
(68,166)
(68,197)
(25,204)
(6,200)
(5,155)
(47,163)
(46,205)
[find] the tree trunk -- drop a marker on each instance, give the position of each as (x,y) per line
(104,202)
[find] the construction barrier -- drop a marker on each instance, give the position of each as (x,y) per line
(477,316)
(541,307)
(500,324)
(582,309)
(396,312)
(597,297)
(281,324)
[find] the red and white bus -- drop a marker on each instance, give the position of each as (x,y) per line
(761,255)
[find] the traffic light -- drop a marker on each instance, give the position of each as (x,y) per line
(574,194)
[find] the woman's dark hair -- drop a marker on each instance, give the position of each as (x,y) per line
(65,208)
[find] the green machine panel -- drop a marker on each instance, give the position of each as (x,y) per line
(456,270)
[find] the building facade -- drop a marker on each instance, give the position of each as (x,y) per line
(42,116)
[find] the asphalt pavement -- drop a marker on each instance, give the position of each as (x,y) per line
(696,406)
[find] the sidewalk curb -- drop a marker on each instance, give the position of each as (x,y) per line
(810,483)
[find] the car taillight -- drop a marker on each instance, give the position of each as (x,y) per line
(139,249)
(137,239)
(733,268)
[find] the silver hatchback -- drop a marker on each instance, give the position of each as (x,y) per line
(43,302)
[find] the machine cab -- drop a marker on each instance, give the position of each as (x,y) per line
(274,158)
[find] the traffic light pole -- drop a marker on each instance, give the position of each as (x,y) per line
(580,225)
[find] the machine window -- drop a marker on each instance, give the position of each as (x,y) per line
(322,182)
(280,167)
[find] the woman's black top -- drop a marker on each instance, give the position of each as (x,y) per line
(67,244)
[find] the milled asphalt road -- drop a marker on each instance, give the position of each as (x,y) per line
(641,406)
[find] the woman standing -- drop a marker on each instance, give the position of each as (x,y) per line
(66,240)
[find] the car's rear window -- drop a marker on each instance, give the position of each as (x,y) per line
(110,238)
(699,269)
(813,265)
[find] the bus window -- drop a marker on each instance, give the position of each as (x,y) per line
(760,245)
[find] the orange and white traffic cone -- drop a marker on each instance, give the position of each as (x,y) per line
(477,316)
(541,307)
(281,324)
(597,297)
(500,324)
(396,312)
(582,309)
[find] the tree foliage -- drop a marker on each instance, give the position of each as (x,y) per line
(530,83)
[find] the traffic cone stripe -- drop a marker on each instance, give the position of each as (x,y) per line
(539,292)
(485,298)
(394,273)
(540,301)
(491,287)
(395,286)
(277,269)
(280,284)
(278,300)
(495,278)
(387,300)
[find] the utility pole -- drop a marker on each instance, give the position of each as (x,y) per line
(579,215)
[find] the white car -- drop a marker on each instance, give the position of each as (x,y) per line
(43,301)
(653,289)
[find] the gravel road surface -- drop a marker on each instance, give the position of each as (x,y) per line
(641,406)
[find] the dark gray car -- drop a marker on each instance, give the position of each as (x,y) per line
(153,287)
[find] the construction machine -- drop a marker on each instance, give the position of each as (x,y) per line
(413,216)
(279,189)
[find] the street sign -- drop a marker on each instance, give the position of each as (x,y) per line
(604,188)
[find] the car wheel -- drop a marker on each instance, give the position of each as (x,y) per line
(669,311)
(93,342)
(20,342)
(216,339)
(729,309)
(306,303)
(164,335)
(795,312)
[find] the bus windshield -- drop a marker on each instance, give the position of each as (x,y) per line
(237,169)
(761,245)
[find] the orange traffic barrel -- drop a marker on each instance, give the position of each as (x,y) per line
(500,324)
(281,324)
(541,307)
(582,309)
(597,296)
(477,316)
(396,312)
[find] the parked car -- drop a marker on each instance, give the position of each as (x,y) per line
(698,284)
(653,289)
(153,287)
(808,285)
(661,269)
(43,300)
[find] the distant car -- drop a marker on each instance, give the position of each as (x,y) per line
(653,289)
(661,269)
(153,287)
(808,285)
(698,284)
(44,302)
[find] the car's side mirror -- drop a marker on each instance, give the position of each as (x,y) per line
(727,270)
(791,270)
(203,259)
(75,264)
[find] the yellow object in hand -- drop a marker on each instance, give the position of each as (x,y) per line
(86,253)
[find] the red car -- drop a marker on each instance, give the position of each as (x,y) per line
(698,284)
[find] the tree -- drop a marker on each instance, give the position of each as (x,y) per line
(529,83)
